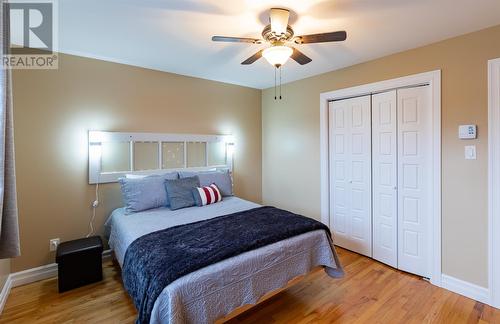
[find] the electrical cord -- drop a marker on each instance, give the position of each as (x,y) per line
(94,207)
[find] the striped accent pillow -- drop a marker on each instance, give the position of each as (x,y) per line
(207,195)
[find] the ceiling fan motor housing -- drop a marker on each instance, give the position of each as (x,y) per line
(272,37)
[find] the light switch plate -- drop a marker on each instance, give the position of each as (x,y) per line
(470,152)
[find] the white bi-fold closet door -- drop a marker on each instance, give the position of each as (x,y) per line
(399,177)
(414,180)
(385,177)
(350,180)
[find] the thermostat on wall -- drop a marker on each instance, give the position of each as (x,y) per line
(467,131)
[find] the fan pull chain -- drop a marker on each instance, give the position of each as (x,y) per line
(275,84)
(284,78)
(280,82)
(277,69)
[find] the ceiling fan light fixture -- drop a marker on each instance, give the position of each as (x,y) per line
(277,55)
(278,34)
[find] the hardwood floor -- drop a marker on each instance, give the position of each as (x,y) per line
(369,293)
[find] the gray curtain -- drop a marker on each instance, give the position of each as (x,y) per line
(9,229)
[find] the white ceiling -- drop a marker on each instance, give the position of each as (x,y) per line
(175,35)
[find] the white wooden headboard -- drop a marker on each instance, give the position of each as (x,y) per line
(112,155)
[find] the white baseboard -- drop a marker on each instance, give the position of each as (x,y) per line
(466,289)
(5,293)
(107,255)
(32,275)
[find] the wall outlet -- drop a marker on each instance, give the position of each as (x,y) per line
(53,244)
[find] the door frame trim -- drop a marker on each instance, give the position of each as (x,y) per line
(433,78)
(494,182)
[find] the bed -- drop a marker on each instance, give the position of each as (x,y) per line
(214,291)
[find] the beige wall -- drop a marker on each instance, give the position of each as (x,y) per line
(290,140)
(53,110)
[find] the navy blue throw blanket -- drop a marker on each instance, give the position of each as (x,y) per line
(156,259)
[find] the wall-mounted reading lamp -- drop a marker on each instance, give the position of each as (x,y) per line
(95,152)
(95,161)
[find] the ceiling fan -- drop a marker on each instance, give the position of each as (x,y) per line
(280,36)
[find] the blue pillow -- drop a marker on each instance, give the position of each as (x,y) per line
(145,193)
(180,192)
(222,178)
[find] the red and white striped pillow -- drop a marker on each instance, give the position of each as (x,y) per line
(207,195)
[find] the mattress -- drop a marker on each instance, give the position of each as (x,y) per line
(214,291)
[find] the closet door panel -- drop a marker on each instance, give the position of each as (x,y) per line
(360,177)
(339,143)
(384,173)
(414,179)
(350,165)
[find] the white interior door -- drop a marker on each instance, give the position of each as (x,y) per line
(350,173)
(384,178)
(414,179)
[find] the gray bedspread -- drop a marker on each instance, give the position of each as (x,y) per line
(214,291)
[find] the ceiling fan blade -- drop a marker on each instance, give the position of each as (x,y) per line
(300,57)
(337,36)
(252,58)
(279,20)
(236,39)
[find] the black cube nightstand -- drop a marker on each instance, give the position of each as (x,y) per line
(79,262)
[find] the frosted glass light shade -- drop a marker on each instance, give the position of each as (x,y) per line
(277,55)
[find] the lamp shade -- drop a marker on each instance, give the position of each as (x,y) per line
(277,55)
